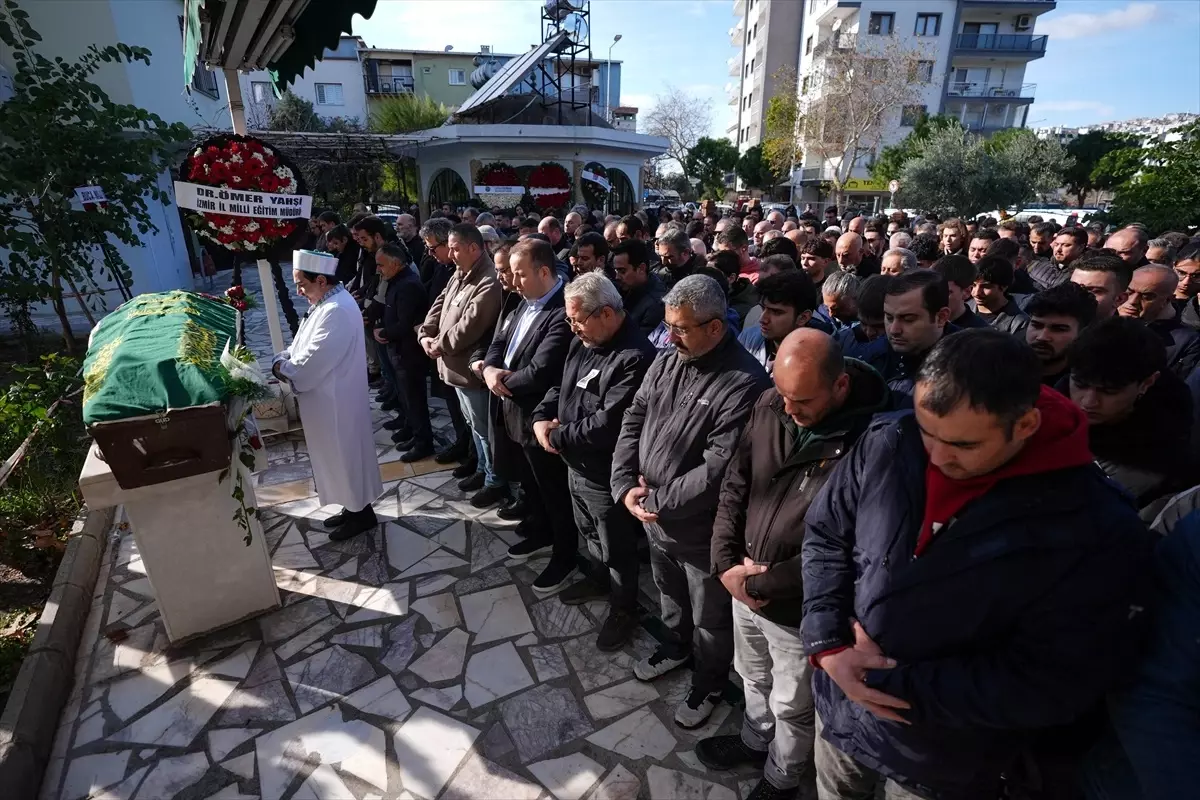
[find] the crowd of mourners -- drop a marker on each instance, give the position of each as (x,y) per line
(925,484)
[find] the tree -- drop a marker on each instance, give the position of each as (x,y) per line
(957,172)
(708,161)
(680,119)
(408,113)
(61,131)
(1088,150)
(781,145)
(1118,167)
(292,113)
(1165,194)
(754,170)
(854,90)
(893,157)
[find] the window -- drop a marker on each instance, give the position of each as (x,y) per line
(921,72)
(804,85)
(329,94)
(911,115)
(203,80)
(876,69)
(261,92)
(808,45)
(928,24)
(881,24)
(458,77)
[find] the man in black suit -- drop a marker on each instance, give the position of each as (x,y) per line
(404,309)
(526,359)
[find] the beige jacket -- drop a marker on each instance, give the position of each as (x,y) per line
(463,314)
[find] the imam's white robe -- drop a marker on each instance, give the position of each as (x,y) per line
(327,369)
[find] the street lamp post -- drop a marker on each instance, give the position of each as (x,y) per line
(608,80)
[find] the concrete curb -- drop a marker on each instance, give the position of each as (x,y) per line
(43,684)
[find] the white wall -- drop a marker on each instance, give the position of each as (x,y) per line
(347,72)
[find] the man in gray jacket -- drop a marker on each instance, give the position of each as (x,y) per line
(676,440)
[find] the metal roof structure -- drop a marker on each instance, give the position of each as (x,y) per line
(512,73)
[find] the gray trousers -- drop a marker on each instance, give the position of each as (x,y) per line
(840,777)
(696,612)
(777,680)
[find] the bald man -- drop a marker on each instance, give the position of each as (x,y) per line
(857,225)
(776,219)
(1150,294)
(760,231)
(1130,245)
(852,256)
(408,231)
(797,432)
(799,236)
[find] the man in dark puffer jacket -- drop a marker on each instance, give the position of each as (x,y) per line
(970,578)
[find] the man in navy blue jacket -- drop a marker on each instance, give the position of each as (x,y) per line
(404,309)
(970,578)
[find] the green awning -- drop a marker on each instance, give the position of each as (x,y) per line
(285,37)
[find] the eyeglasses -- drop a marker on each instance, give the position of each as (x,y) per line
(682,330)
(576,325)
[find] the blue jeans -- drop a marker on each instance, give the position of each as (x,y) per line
(474,404)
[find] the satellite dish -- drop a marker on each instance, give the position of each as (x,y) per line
(576,27)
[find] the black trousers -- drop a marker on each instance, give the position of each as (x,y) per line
(438,388)
(282,288)
(611,533)
(549,498)
(410,391)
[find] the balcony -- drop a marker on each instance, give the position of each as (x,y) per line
(735,66)
(816,174)
(739,8)
(824,12)
(1014,44)
(384,85)
(1022,93)
(1014,6)
(834,43)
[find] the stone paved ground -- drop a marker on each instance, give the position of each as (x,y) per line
(412,663)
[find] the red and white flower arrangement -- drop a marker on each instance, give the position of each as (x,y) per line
(498,174)
(242,163)
(236,296)
(550,186)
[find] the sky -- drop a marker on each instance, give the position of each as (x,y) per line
(1105,59)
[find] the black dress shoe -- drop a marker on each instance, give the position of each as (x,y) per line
(397,425)
(390,405)
(515,510)
(357,522)
(402,441)
(466,469)
(336,519)
(417,451)
(455,452)
(471,482)
(489,496)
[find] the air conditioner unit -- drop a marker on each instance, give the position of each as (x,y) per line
(1024,22)
(426,70)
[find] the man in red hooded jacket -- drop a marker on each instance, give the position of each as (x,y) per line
(971,580)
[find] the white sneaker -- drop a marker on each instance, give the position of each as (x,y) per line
(656,665)
(696,708)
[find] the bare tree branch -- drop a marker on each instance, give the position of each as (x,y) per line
(681,119)
(856,90)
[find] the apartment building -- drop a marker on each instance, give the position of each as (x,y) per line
(334,86)
(766,38)
(977,51)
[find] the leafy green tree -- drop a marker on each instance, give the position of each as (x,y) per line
(892,158)
(292,113)
(957,172)
(753,169)
(408,113)
(61,131)
(1088,151)
(1165,193)
(708,161)
(781,139)
(1118,167)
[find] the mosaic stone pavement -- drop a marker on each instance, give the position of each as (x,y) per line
(414,663)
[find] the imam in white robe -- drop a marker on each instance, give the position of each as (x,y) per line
(328,373)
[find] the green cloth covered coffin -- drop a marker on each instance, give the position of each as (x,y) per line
(155,389)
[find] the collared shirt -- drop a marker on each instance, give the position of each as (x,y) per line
(525,317)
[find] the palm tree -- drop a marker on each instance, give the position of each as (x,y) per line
(407,113)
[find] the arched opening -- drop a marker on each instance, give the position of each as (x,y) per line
(621,200)
(447,187)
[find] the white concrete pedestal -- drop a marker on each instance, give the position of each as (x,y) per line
(203,574)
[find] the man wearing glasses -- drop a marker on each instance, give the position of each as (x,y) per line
(580,420)
(676,440)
